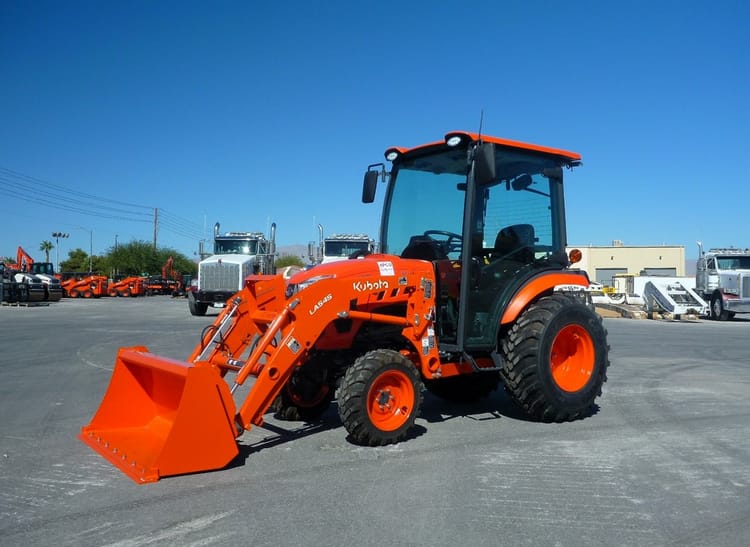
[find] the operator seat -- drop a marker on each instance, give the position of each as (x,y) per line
(515,242)
(424,248)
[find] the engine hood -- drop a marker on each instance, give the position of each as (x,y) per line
(229,259)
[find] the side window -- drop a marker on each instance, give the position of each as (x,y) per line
(530,206)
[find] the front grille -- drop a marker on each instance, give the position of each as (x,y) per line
(219,277)
(745,286)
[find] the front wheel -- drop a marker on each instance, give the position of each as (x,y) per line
(379,398)
(718,312)
(555,359)
(195,307)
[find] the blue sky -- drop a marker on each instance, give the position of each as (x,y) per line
(248,113)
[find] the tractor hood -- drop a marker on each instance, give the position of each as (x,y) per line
(375,272)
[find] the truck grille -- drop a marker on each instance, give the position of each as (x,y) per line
(219,277)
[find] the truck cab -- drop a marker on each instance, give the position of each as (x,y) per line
(236,255)
(722,277)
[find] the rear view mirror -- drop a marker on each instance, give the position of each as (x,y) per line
(521,182)
(484,163)
(369,185)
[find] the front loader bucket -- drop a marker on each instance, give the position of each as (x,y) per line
(163,417)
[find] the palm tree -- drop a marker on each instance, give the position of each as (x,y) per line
(46,246)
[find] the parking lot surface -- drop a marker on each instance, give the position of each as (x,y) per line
(664,461)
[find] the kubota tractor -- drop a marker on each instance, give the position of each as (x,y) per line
(473,289)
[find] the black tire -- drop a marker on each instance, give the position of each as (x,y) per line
(467,388)
(555,359)
(718,313)
(22,292)
(196,308)
(379,398)
(306,396)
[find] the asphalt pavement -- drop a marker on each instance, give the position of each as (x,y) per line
(664,461)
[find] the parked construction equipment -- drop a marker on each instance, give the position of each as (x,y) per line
(21,286)
(674,298)
(722,278)
(85,286)
(133,285)
(463,297)
(236,255)
(45,271)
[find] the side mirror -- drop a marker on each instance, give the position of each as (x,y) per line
(369,185)
(484,163)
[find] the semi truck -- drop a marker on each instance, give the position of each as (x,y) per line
(722,278)
(337,247)
(236,255)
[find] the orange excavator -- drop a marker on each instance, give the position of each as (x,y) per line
(473,289)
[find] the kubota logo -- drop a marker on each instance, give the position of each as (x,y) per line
(365,286)
(321,303)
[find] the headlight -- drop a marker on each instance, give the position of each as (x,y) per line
(294,288)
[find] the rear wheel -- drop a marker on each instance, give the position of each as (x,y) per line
(73,293)
(467,388)
(555,359)
(306,396)
(88,293)
(379,398)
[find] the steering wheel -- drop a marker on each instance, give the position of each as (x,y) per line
(452,244)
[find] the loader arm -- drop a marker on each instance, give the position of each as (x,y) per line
(265,335)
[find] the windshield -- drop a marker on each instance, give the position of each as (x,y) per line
(734,262)
(235,247)
(345,248)
(427,192)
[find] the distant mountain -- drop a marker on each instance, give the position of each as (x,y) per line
(294,250)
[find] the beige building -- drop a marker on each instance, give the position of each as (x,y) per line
(602,263)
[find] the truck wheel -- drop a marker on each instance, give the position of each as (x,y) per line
(306,396)
(379,398)
(555,359)
(467,388)
(718,313)
(23,293)
(88,294)
(196,308)
(73,293)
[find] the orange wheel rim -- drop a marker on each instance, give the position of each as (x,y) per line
(572,358)
(390,400)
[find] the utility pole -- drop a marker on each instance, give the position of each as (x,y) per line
(156,225)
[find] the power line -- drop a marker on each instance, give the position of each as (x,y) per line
(40,192)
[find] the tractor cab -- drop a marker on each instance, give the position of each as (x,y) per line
(487,212)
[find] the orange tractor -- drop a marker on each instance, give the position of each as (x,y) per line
(473,289)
